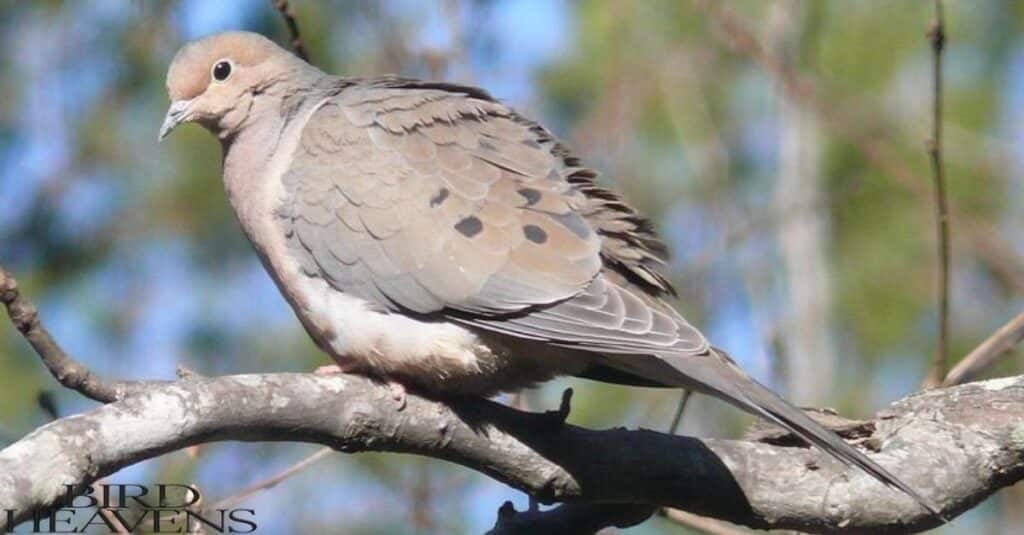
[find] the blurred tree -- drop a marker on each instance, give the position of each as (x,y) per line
(792,248)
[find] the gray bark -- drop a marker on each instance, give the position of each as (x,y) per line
(956,445)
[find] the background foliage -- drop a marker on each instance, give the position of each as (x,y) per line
(798,253)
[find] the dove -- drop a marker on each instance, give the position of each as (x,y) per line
(431,237)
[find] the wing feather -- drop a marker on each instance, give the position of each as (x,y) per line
(416,190)
(438,200)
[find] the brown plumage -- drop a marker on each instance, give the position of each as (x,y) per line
(426,234)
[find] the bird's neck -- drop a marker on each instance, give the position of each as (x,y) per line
(251,172)
(255,158)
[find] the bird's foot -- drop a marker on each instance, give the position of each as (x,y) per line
(332,369)
(556,418)
(398,392)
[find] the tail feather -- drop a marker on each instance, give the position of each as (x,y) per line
(717,375)
(760,401)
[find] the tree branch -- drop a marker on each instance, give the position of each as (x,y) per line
(980,236)
(987,352)
(65,369)
(956,445)
(937,38)
(288,15)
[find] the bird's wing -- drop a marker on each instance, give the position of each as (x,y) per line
(610,316)
(429,199)
(435,199)
(438,200)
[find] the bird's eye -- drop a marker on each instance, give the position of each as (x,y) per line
(222,70)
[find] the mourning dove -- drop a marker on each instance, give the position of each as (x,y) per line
(428,235)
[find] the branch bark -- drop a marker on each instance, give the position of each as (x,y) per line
(956,445)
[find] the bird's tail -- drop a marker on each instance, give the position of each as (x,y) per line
(723,379)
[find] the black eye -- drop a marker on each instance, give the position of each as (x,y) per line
(221,71)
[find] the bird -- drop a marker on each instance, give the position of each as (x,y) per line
(429,236)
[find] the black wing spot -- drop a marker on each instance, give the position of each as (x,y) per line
(535,234)
(438,199)
(531,195)
(469,226)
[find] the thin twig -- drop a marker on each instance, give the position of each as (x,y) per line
(111,519)
(238,497)
(69,372)
(288,15)
(269,482)
(710,526)
(981,236)
(421,494)
(677,418)
(937,37)
(996,345)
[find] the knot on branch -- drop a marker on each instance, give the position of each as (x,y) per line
(23,314)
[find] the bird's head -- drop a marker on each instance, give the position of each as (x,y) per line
(214,80)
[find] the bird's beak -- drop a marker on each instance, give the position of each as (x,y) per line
(178,113)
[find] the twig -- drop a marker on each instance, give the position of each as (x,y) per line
(999,343)
(288,15)
(242,495)
(111,519)
(677,418)
(420,497)
(66,370)
(229,502)
(701,523)
(48,403)
(937,37)
(982,237)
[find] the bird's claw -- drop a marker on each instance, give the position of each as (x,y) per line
(397,393)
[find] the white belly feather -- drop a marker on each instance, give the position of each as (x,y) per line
(391,343)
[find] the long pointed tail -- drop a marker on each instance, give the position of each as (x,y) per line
(717,375)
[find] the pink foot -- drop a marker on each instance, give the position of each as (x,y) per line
(397,392)
(332,369)
(397,388)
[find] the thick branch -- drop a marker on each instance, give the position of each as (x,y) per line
(956,445)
